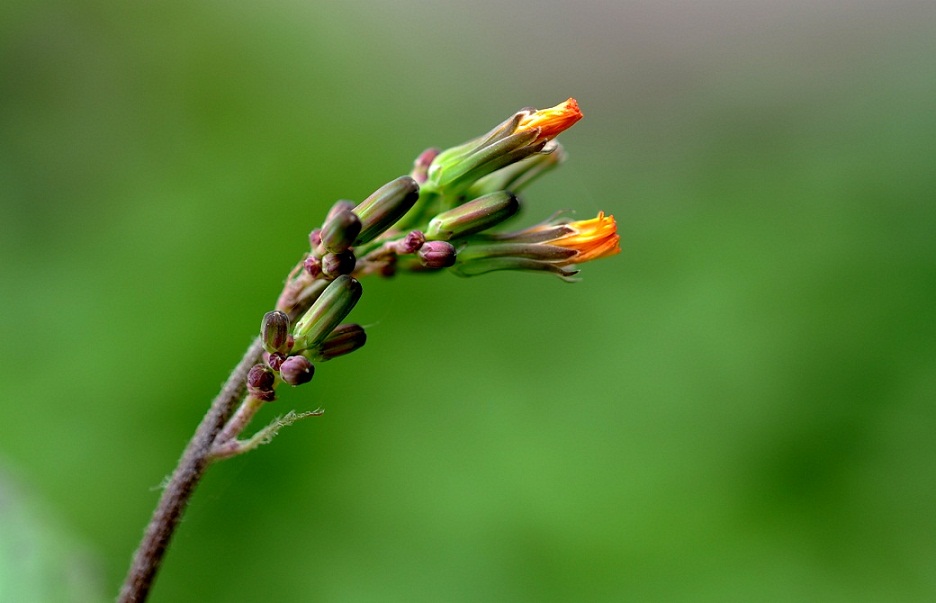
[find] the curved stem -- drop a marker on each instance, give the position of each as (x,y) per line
(182,484)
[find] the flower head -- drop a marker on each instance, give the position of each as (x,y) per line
(553,121)
(591,239)
(551,247)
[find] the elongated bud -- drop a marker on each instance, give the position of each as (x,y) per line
(486,160)
(485,265)
(385,206)
(297,370)
(343,340)
(437,254)
(473,216)
(519,175)
(274,332)
(327,312)
(260,383)
(545,253)
(336,264)
(339,206)
(340,231)
(421,165)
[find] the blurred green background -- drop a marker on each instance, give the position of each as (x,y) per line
(739,407)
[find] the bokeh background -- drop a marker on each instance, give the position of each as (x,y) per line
(739,407)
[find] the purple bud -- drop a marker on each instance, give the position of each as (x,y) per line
(297,370)
(410,243)
(437,254)
(275,360)
(313,266)
(336,264)
(260,382)
(274,331)
(421,165)
(340,231)
(315,238)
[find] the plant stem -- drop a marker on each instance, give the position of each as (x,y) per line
(185,478)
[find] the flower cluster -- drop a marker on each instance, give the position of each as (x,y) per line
(440,216)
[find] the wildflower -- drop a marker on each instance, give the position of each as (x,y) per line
(552,247)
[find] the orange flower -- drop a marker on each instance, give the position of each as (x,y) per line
(552,121)
(592,239)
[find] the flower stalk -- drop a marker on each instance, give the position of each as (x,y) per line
(440,217)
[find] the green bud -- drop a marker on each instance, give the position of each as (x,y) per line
(340,231)
(385,206)
(473,216)
(543,253)
(464,170)
(331,307)
(343,340)
(485,265)
(519,175)
(274,332)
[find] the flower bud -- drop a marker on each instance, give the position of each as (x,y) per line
(437,254)
(343,340)
(410,243)
(340,231)
(519,175)
(275,360)
(274,332)
(260,383)
(336,264)
(313,266)
(485,265)
(327,312)
(385,206)
(339,206)
(297,370)
(421,165)
(315,238)
(473,216)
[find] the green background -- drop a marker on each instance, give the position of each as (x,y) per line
(739,407)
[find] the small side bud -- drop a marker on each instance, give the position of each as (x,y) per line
(336,264)
(313,266)
(421,165)
(474,216)
(274,332)
(385,206)
(410,243)
(437,254)
(340,231)
(331,307)
(343,340)
(275,360)
(297,370)
(315,238)
(260,383)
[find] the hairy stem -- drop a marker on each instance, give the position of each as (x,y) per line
(182,484)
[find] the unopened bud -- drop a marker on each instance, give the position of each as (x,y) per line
(519,175)
(385,206)
(474,216)
(327,312)
(260,383)
(340,231)
(343,340)
(336,264)
(297,370)
(410,243)
(465,170)
(274,332)
(275,360)
(339,206)
(313,266)
(422,163)
(437,254)
(315,238)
